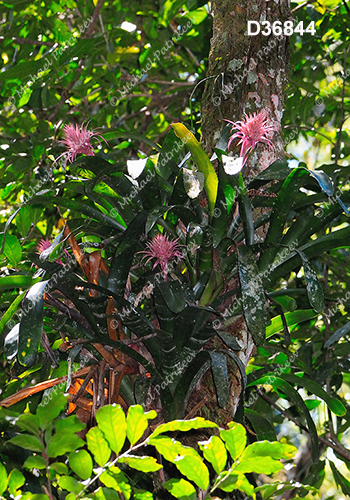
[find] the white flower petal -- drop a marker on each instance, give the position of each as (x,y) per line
(232,165)
(135,167)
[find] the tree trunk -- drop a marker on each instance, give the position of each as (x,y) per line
(246,74)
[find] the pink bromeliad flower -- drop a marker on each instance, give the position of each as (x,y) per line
(163,250)
(77,140)
(44,245)
(253,129)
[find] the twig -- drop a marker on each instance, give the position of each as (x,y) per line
(346,6)
(342,120)
(30,42)
(312,129)
(334,444)
(103,30)
(302,5)
(95,16)
(197,407)
(64,96)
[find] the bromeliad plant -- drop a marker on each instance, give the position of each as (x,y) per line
(146,332)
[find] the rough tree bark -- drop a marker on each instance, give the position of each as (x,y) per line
(246,74)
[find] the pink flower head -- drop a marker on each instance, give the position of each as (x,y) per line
(163,250)
(253,129)
(77,140)
(44,245)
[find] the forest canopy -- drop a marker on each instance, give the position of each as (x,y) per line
(174,249)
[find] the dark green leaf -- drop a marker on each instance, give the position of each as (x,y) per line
(262,427)
(313,286)
(28,442)
(252,294)
(80,462)
(337,335)
(31,327)
(220,376)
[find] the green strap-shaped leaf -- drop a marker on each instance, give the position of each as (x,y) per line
(313,286)
(186,459)
(221,220)
(17,281)
(315,248)
(203,163)
(245,211)
(215,452)
(252,294)
(235,439)
(10,311)
(340,480)
(295,397)
(281,209)
(324,181)
(292,319)
(144,464)
(220,376)
(31,327)
(98,446)
(137,422)
(111,421)
(79,207)
(262,427)
(337,335)
(205,253)
(172,294)
(334,404)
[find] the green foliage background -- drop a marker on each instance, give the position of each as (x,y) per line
(309,378)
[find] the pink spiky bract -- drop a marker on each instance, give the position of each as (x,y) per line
(163,250)
(77,140)
(253,129)
(43,245)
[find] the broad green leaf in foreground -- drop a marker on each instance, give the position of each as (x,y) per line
(235,439)
(186,459)
(142,463)
(137,422)
(215,452)
(183,425)
(111,421)
(80,462)
(98,446)
(180,488)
